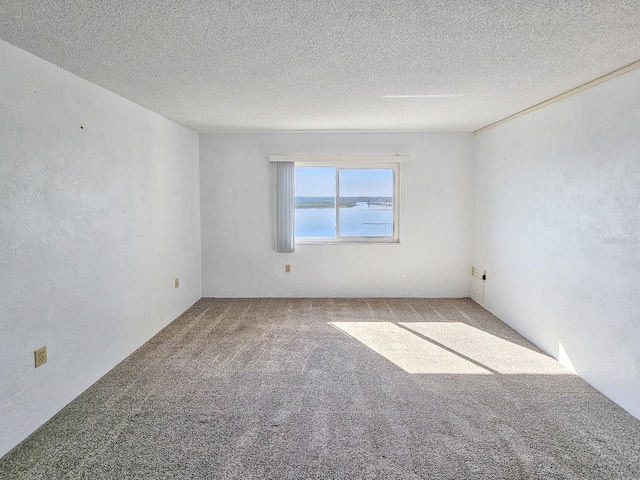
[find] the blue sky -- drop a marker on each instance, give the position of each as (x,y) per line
(319,182)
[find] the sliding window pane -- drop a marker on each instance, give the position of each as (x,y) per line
(315,202)
(366,202)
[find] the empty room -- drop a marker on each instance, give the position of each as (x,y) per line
(320,239)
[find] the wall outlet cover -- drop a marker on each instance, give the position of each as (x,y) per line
(40,356)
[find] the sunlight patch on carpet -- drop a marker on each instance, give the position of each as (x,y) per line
(408,351)
(494,352)
(449,348)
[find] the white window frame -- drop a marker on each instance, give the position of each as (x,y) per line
(347,161)
(394,238)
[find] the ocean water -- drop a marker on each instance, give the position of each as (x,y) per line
(361,220)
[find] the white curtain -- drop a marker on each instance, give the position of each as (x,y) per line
(285,207)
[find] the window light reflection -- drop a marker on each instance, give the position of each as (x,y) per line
(449,348)
(407,350)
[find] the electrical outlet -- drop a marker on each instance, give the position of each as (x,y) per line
(484,275)
(287,268)
(473,271)
(40,356)
(177,282)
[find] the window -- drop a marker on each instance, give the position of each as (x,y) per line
(337,199)
(349,203)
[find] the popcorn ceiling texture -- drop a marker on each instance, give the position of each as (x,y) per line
(299,65)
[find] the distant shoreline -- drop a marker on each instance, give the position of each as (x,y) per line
(345,202)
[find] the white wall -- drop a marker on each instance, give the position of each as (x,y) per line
(435,225)
(557,226)
(99,212)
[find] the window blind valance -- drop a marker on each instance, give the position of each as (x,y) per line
(340,159)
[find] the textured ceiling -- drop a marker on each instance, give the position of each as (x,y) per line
(218,66)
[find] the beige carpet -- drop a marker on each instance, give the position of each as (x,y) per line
(325,388)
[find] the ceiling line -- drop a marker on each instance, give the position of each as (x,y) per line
(568,93)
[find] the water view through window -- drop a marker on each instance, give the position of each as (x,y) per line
(365,202)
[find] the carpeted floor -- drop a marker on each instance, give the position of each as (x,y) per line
(326,388)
